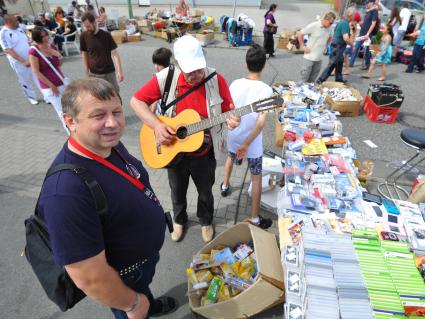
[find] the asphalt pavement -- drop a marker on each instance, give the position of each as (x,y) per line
(31,136)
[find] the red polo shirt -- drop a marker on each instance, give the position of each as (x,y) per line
(150,93)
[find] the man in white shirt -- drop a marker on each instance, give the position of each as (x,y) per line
(14,42)
(319,33)
(71,7)
(247,139)
(405,15)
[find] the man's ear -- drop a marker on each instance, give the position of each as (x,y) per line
(70,122)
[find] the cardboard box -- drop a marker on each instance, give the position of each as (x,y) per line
(142,23)
(134,37)
(119,36)
(158,34)
(293,49)
(265,293)
(346,108)
(205,38)
(283,43)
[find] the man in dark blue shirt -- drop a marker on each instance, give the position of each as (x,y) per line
(113,262)
(369,22)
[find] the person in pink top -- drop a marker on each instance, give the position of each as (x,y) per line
(48,73)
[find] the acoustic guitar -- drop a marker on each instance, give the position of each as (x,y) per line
(189,128)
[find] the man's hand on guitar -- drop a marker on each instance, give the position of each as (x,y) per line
(164,134)
(233,122)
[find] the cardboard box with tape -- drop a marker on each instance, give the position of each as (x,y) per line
(266,292)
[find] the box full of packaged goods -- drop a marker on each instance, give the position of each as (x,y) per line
(243,274)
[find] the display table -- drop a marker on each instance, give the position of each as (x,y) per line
(345,253)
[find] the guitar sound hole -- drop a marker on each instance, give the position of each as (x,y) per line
(181,133)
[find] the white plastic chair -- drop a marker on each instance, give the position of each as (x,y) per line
(67,41)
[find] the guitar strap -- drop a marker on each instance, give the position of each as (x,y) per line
(167,86)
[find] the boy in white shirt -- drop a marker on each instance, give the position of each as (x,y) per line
(247,139)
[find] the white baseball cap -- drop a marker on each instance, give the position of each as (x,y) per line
(188,53)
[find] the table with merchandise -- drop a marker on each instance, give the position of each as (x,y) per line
(345,253)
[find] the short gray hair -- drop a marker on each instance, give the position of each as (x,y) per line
(97,88)
(330,16)
(350,12)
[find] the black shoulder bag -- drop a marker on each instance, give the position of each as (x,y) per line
(55,281)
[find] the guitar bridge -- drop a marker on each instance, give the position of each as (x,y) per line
(158,148)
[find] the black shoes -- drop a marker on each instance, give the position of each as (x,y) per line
(263,223)
(162,306)
(225,191)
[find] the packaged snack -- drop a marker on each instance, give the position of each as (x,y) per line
(238,283)
(216,270)
(227,270)
(224,293)
(247,262)
(205,264)
(224,256)
(214,291)
(237,268)
(242,252)
(246,275)
(204,276)
(191,276)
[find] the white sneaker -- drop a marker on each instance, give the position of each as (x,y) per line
(32,101)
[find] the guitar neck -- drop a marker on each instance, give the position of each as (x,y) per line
(219,119)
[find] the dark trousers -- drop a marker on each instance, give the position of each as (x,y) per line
(367,54)
(336,61)
(58,40)
(139,280)
(202,171)
(268,42)
(417,58)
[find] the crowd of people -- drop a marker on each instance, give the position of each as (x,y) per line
(350,35)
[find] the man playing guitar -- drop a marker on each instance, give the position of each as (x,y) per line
(209,96)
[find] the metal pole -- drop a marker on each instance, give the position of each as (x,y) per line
(234,8)
(130,9)
(32,9)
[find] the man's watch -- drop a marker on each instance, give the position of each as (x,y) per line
(134,305)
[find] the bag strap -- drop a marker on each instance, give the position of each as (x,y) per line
(192,89)
(93,186)
(49,63)
(167,87)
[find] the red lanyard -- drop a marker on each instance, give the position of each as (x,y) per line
(104,162)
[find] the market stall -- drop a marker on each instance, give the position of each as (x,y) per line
(344,253)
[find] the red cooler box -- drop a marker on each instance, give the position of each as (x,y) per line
(380,114)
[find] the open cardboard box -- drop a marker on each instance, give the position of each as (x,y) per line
(265,293)
(346,108)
